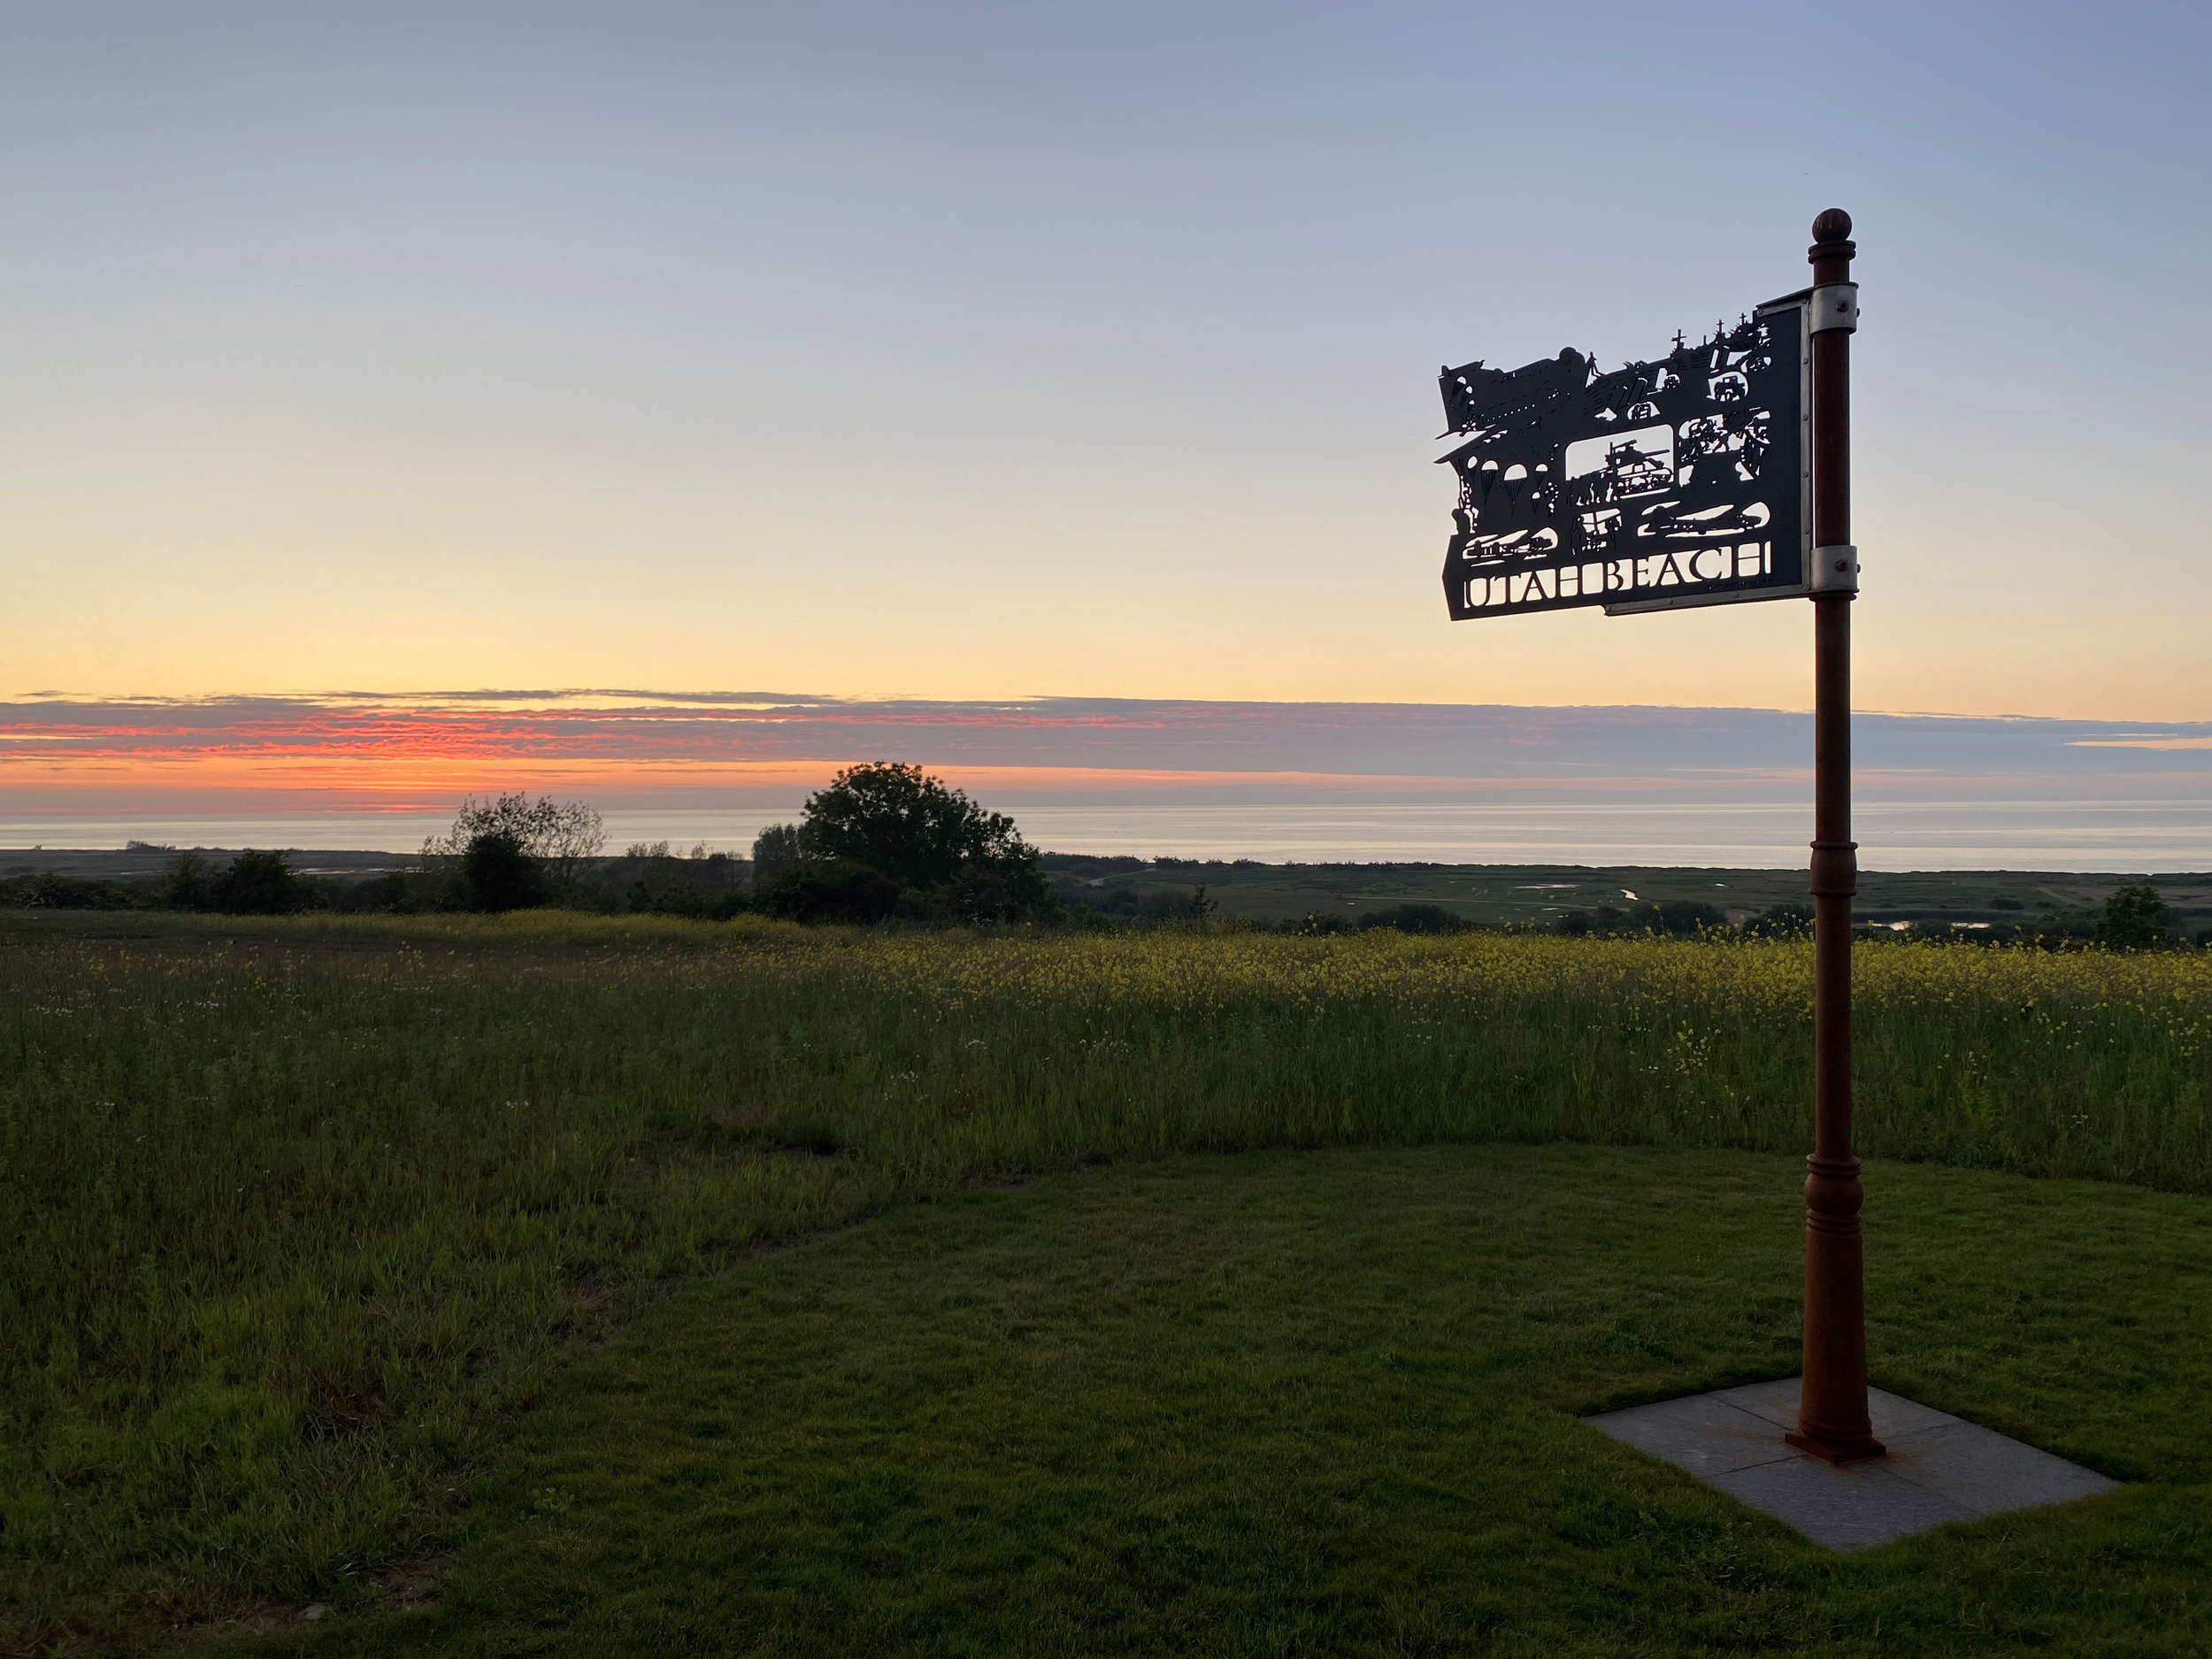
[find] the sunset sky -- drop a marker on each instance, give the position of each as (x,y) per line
(750,750)
(990,352)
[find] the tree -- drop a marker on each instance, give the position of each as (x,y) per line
(2135,919)
(777,847)
(557,835)
(496,874)
(188,884)
(928,841)
(259,884)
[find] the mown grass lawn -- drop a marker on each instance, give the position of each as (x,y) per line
(1321,1402)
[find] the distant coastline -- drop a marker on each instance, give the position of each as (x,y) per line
(2120,837)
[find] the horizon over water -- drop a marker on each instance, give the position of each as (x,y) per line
(2121,836)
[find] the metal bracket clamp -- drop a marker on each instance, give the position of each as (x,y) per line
(1835,570)
(1835,869)
(1836,306)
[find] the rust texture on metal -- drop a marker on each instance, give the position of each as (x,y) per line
(1832,1419)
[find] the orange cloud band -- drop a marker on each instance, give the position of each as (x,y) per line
(420,783)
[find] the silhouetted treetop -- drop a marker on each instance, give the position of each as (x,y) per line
(926,841)
(898,821)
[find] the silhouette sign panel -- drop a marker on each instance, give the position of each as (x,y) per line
(1677,483)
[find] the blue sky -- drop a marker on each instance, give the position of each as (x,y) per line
(974,351)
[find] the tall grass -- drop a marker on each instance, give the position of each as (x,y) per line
(294,1220)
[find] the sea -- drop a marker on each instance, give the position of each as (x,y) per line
(2127,837)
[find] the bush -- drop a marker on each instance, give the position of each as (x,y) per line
(1679,919)
(262,884)
(1416,918)
(1172,905)
(1783,921)
(51,892)
(252,884)
(775,850)
(400,892)
(498,874)
(987,894)
(829,890)
(2136,918)
(187,884)
(653,881)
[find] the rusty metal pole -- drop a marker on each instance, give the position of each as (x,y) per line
(1833,1422)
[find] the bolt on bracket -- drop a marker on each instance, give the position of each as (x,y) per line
(1835,570)
(1836,306)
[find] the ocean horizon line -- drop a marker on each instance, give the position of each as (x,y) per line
(2117,836)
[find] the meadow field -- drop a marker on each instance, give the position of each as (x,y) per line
(303,1217)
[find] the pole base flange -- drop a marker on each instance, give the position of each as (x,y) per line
(1845,1449)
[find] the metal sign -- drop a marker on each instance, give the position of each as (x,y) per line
(1719,474)
(1661,485)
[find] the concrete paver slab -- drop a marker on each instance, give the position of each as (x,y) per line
(1892,1414)
(1705,1434)
(1988,1472)
(1852,1507)
(1940,1468)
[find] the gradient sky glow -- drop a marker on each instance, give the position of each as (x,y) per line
(985,351)
(294,755)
